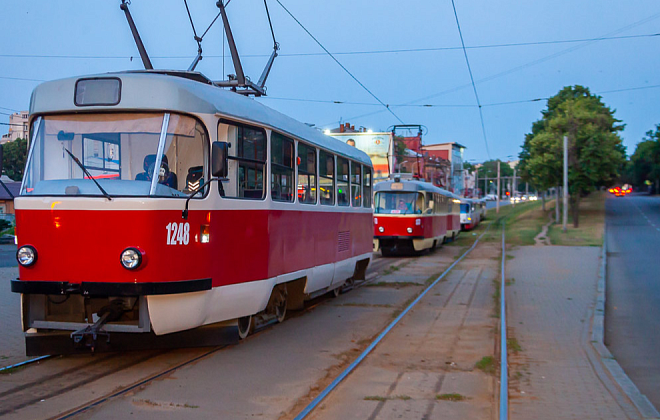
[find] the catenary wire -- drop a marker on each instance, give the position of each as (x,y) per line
(529,64)
(340,65)
(474,87)
(365,52)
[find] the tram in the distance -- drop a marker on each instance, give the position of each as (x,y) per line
(155,202)
(473,211)
(411,216)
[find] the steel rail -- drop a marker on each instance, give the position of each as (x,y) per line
(504,373)
(312,405)
(25,363)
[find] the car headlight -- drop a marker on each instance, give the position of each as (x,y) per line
(131,258)
(26,255)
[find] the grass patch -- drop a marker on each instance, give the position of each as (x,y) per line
(383,399)
(496,299)
(513,345)
(450,397)
(509,282)
(592,220)
(487,365)
(11,370)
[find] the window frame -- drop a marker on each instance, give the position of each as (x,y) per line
(248,160)
(359,183)
(333,178)
(367,169)
(292,168)
(348,181)
(315,174)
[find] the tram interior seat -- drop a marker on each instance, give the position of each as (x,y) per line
(170,180)
(195,178)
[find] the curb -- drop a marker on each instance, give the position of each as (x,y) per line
(643,405)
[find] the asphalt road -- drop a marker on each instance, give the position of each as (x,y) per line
(632,313)
(8,255)
(493,204)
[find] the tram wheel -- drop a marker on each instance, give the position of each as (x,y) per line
(244,326)
(435,244)
(280,310)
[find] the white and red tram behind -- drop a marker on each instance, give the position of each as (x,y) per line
(113,159)
(413,216)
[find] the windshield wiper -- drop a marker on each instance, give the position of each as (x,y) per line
(75,159)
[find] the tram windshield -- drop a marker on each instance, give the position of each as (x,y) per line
(465,208)
(399,202)
(120,151)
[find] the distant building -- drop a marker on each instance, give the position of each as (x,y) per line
(18,127)
(6,200)
(453,152)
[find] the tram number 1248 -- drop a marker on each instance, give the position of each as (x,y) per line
(178,233)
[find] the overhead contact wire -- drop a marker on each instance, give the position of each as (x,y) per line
(474,87)
(340,64)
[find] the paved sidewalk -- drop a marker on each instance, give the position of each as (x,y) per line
(557,374)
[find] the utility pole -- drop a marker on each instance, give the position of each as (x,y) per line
(497,210)
(557,190)
(476,182)
(565,220)
(513,193)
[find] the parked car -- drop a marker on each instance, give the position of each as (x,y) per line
(491,197)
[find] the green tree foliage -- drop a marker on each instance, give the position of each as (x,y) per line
(596,155)
(489,170)
(13,158)
(645,162)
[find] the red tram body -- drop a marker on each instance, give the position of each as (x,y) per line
(413,215)
(103,239)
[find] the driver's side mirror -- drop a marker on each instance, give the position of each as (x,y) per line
(220,159)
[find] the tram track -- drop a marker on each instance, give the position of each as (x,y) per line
(309,408)
(65,374)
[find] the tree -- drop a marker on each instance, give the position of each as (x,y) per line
(645,162)
(489,170)
(595,151)
(13,158)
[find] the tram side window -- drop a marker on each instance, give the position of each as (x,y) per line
(281,157)
(306,174)
(247,160)
(327,178)
(366,200)
(342,182)
(356,184)
(428,203)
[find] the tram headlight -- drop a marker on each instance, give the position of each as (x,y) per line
(381,229)
(409,230)
(131,258)
(26,255)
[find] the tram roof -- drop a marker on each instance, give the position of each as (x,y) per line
(412,186)
(185,92)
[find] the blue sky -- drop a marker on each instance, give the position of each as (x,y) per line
(46,39)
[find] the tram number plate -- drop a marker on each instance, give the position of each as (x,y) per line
(178,233)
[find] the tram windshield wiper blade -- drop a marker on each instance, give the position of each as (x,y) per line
(75,159)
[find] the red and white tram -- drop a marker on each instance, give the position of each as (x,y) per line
(282,213)
(413,216)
